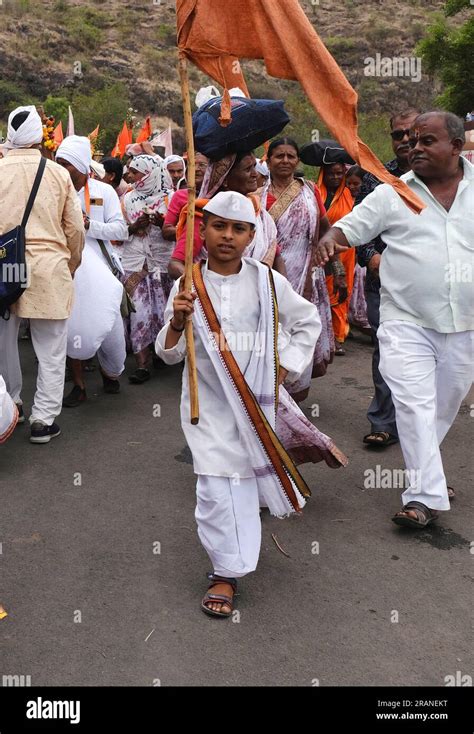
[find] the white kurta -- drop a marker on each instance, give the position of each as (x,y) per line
(215,442)
(98,293)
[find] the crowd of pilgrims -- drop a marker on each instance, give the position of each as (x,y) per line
(290,210)
(107,252)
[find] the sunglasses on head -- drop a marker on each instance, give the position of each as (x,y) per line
(399,134)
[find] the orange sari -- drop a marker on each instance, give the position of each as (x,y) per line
(341,205)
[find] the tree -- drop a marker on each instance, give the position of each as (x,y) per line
(106,107)
(447,53)
(58,108)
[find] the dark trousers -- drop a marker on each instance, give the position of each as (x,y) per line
(381,412)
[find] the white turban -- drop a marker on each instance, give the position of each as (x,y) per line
(76,150)
(174,159)
(30,131)
(98,169)
(231,205)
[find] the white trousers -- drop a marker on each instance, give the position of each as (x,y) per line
(112,353)
(49,338)
(429,374)
(228,520)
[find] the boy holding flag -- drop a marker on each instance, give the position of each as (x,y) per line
(251,330)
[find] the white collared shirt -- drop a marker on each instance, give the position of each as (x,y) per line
(426,270)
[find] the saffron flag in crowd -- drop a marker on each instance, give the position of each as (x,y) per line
(124,138)
(215,34)
(145,132)
(58,133)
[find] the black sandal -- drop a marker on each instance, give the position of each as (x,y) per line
(386,439)
(425,516)
(75,397)
(220,598)
(140,376)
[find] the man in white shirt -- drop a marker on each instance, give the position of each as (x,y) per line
(426,331)
(95,324)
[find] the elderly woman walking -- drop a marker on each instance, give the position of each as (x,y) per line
(145,256)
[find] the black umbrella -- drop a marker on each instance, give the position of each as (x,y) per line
(324,152)
(253,122)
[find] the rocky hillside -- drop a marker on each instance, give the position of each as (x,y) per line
(70,49)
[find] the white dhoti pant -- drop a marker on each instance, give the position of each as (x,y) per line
(49,338)
(112,353)
(429,374)
(228,520)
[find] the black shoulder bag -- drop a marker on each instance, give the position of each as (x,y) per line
(13,275)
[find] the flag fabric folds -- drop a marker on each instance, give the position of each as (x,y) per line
(93,138)
(124,138)
(165,140)
(215,34)
(145,132)
(58,133)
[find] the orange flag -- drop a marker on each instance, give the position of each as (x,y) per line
(145,131)
(124,138)
(214,34)
(58,133)
(93,138)
(93,135)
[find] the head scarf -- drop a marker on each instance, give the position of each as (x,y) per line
(77,151)
(215,175)
(30,131)
(151,192)
(342,202)
(174,159)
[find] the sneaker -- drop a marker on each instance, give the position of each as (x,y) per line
(110,386)
(75,397)
(21,415)
(41,433)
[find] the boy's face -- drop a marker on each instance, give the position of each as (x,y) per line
(226,239)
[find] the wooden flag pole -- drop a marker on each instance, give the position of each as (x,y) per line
(188,263)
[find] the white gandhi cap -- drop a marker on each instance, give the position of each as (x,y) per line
(231,205)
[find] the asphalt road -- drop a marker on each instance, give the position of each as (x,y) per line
(102,572)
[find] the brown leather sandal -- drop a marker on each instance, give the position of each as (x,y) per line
(219,598)
(424,515)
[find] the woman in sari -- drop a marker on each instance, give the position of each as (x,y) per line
(145,257)
(235,172)
(358,305)
(338,201)
(296,207)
